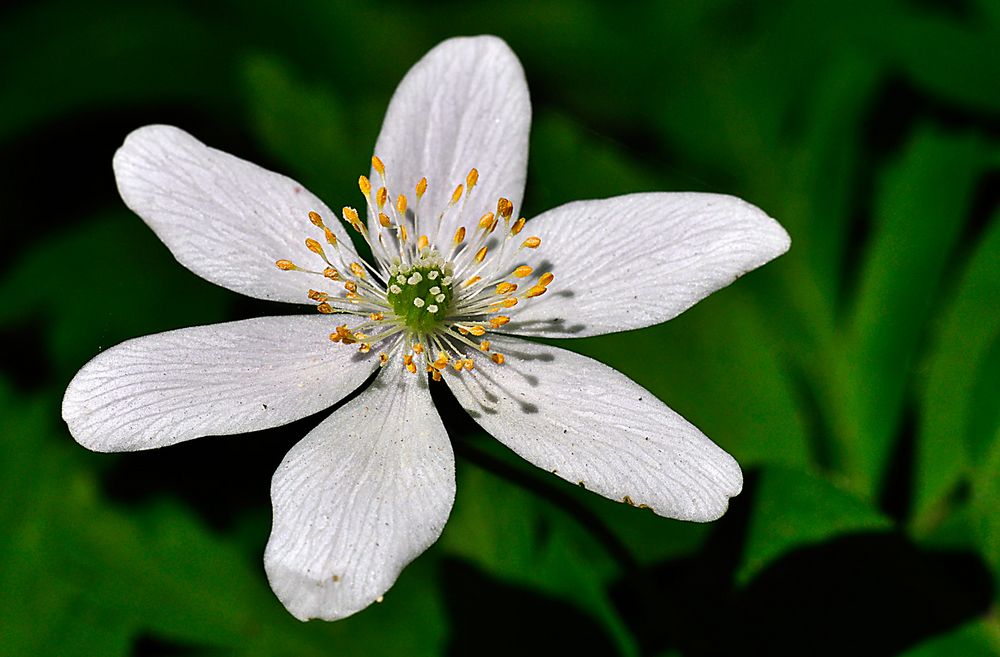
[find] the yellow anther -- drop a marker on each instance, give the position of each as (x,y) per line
(383,359)
(486,220)
(484,345)
(314,246)
(365,347)
(408,363)
(497,322)
(331,273)
(509,303)
(381,197)
(458,365)
(472,178)
(335,337)
(532,243)
(365,185)
(357,269)
(460,235)
(376,317)
(477,331)
(505,208)
(481,254)
(506,288)
(442,361)
(377,165)
(422,242)
(457,194)
(350,286)
(345,334)
(518,225)
(522,271)
(471,281)
(285,265)
(384,220)
(545,279)
(402,233)
(401,204)
(498,359)
(331,239)
(469,364)
(435,375)
(536,291)
(351,216)
(325,308)
(418,348)
(316,219)
(316,295)
(421,187)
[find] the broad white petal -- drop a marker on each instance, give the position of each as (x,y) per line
(224,218)
(464,104)
(358,498)
(211,380)
(595,427)
(637,260)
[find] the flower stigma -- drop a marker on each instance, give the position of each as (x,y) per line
(429,300)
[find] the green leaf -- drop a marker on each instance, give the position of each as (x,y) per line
(520,538)
(83,577)
(812,189)
(949,440)
(986,501)
(792,509)
(984,450)
(922,204)
(72,57)
(971,640)
(568,164)
(957,61)
(308,127)
(718,365)
(107,280)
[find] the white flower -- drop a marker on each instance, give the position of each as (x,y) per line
(454,278)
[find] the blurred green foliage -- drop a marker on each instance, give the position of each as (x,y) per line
(856,379)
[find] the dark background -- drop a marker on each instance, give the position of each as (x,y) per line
(856,378)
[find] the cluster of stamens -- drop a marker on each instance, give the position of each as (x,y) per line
(432,305)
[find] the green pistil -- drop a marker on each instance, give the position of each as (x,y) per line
(420,296)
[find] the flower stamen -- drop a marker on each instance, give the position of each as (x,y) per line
(412,302)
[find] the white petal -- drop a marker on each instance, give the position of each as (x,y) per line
(224,218)
(464,104)
(211,380)
(595,427)
(637,260)
(358,498)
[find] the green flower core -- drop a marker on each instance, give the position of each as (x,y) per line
(421,295)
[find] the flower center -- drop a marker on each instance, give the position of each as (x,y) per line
(421,293)
(431,303)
